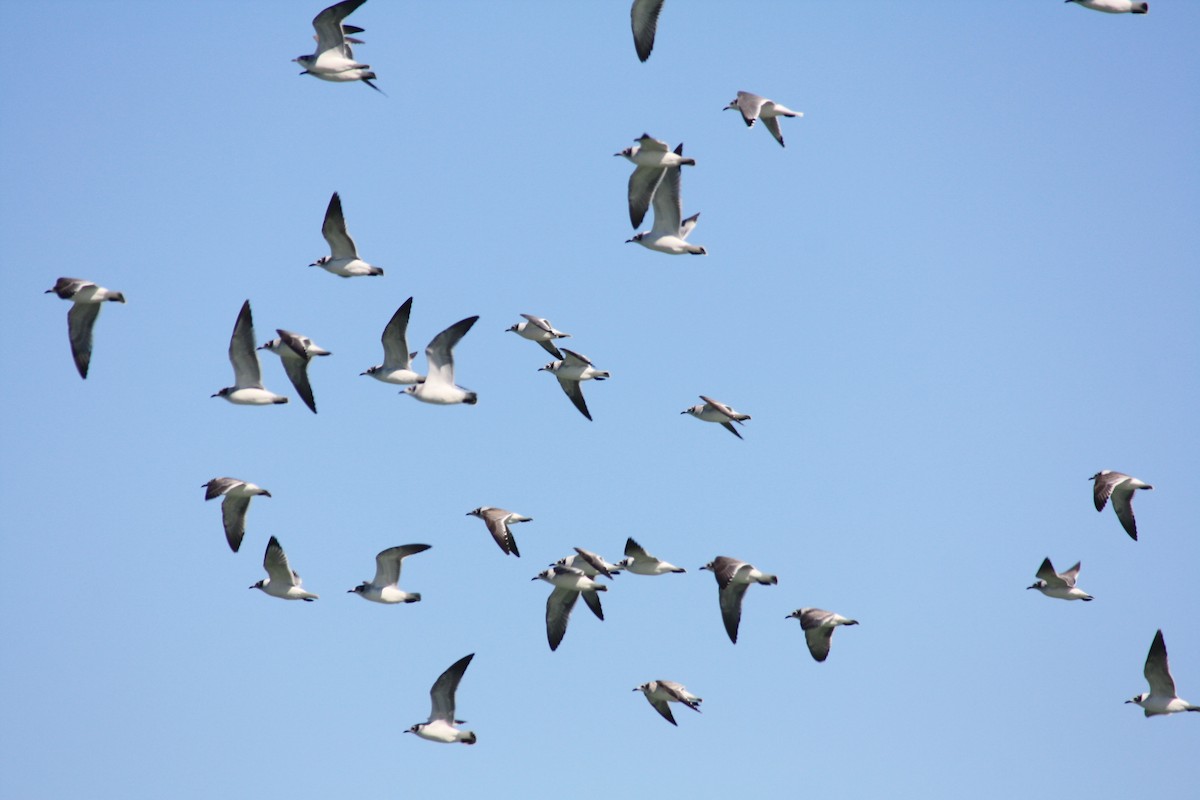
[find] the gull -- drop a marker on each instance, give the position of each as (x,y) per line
(650,158)
(539,330)
(497,521)
(571,371)
(568,584)
(754,107)
(234,506)
(643,18)
(818,626)
(344,260)
(334,60)
(86,298)
(1114,6)
(1161,699)
(438,386)
(659,693)
(440,727)
(590,565)
(715,411)
(733,578)
(1059,584)
(296,350)
(397,361)
(669,233)
(385,588)
(247,389)
(1121,487)
(639,562)
(284,582)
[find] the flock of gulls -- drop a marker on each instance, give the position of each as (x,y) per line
(653,185)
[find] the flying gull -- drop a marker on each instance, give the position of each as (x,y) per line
(716,411)
(568,584)
(385,586)
(753,108)
(1114,6)
(334,60)
(651,158)
(669,232)
(1059,584)
(397,360)
(295,351)
(733,578)
(440,727)
(497,521)
(344,260)
(571,371)
(86,299)
(1161,699)
(284,582)
(539,330)
(659,693)
(818,626)
(639,562)
(439,387)
(1120,487)
(247,389)
(234,506)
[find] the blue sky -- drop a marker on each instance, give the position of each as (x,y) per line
(968,283)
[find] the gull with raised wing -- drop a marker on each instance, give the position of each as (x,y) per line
(643,18)
(283,581)
(733,578)
(539,330)
(497,521)
(247,389)
(568,584)
(651,158)
(343,259)
(397,360)
(235,505)
(1120,487)
(818,626)
(385,586)
(440,727)
(1161,699)
(1114,6)
(1059,584)
(439,387)
(639,562)
(334,60)
(716,411)
(295,351)
(753,108)
(571,371)
(669,232)
(659,693)
(591,565)
(86,299)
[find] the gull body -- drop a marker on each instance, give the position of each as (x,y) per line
(752,108)
(1120,487)
(237,495)
(643,18)
(716,411)
(343,259)
(497,521)
(334,60)
(733,578)
(247,389)
(295,351)
(1060,585)
(441,724)
(639,562)
(86,299)
(283,581)
(651,158)
(659,693)
(439,387)
(1114,6)
(818,626)
(568,584)
(385,586)
(571,371)
(397,360)
(669,232)
(1161,699)
(537,329)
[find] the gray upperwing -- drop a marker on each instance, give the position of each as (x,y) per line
(440,351)
(297,372)
(441,694)
(80,320)
(729,427)
(592,598)
(1158,671)
(549,347)
(772,124)
(642,185)
(233,516)
(242,353)
(819,640)
(328,25)
(574,391)
(275,562)
(395,339)
(1122,503)
(643,18)
(1046,573)
(558,613)
(665,710)
(731,608)
(668,208)
(333,228)
(219,486)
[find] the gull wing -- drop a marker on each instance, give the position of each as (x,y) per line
(1070,576)
(328,25)
(334,230)
(819,639)
(574,390)
(662,708)
(80,320)
(539,323)
(724,568)
(642,185)
(233,517)
(634,550)
(387,563)
(558,613)
(1122,503)
(246,372)
(649,143)
(643,18)
(1157,671)
(549,347)
(592,598)
(668,208)
(1046,573)
(721,407)
(680,694)
(444,688)
(1105,483)
(575,359)
(66,288)
(498,527)
(297,372)
(731,607)
(440,352)
(772,124)
(395,339)
(749,104)
(219,486)
(275,562)
(727,426)
(594,561)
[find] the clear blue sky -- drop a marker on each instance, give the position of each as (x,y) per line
(968,283)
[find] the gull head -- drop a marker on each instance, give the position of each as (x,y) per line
(321,261)
(416,728)
(1039,584)
(637,237)
(628,152)
(515,328)
(258,585)
(694,410)
(732,104)
(362,587)
(224,392)
(551,367)
(410,389)
(1138,699)
(370,371)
